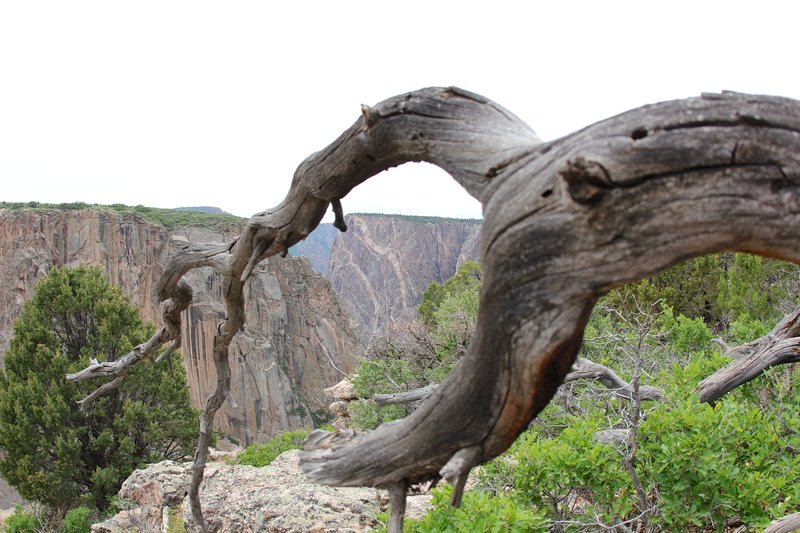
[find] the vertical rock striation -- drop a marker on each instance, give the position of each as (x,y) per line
(383,263)
(298,338)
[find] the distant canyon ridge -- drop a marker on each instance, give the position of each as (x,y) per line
(383,263)
(303,332)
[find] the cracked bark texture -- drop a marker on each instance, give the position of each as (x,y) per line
(564,222)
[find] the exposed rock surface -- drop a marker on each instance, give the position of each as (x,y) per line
(9,497)
(276,498)
(317,247)
(383,263)
(298,338)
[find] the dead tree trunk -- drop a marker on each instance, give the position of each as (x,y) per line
(565,221)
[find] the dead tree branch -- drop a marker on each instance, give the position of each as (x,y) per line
(564,222)
(582,369)
(405,397)
(750,360)
(586,369)
(784,525)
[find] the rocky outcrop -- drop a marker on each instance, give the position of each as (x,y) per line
(298,339)
(317,247)
(276,498)
(383,263)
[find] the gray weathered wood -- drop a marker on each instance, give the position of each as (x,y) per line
(582,369)
(787,524)
(750,360)
(565,221)
(414,395)
(586,369)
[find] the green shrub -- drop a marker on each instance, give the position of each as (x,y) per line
(551,473)
(263,454)
(78,520)
(22,522)
(480,512)
(698,465)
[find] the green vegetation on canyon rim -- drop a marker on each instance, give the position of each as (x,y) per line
(54,452)
(168,218)
(593,460)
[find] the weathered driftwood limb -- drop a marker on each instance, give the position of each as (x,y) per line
(397,506)
(586,369)
(750,360)
(784,525)
(582,369)
(468,136)
(457,470)
(564,222)
(405,397)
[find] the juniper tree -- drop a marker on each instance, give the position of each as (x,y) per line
(54,451)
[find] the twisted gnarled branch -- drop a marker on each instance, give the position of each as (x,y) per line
(779,346)
(564,222)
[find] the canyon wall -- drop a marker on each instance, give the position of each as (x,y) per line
(298,338)
(383,263)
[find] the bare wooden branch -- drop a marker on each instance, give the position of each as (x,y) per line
(582,369)
(457,470)
(784,525)
(586,369)
(750,360)
(564,222)
(405,397)
(397,506)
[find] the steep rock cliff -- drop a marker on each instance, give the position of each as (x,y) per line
(298,339)
(317,247)
(383,263)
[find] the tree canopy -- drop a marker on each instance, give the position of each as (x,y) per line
(54,451)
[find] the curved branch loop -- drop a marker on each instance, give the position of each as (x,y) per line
(566,222)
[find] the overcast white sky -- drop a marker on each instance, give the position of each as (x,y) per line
(181,103)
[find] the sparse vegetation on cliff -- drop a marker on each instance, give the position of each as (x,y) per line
(168,218)
(263,454)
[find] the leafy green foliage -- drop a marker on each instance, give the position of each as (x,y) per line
(382,376)
(417,353)
(78,520)
(263,454)
(56,453)
(717,288)
(176,524)
(22,522)
(755,286)
(463,285)
(699,465)
(480,512)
